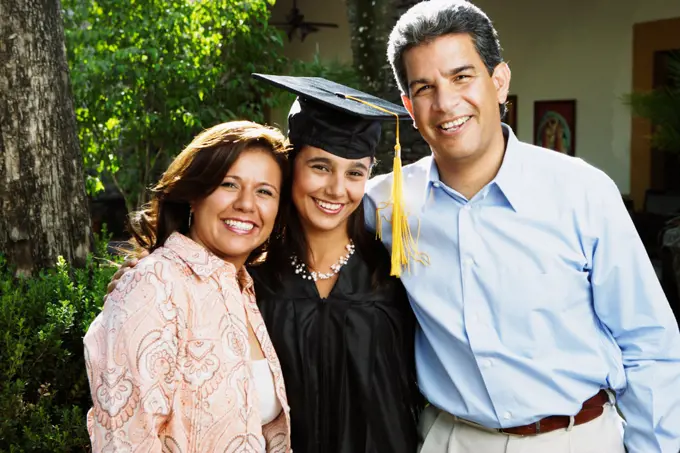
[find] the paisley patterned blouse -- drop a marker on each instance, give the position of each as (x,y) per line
(168,360)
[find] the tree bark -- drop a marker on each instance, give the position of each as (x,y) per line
(371,22)
(42,189)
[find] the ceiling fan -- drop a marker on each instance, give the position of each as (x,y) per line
(295,21)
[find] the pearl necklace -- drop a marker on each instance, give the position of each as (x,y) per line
(303,271)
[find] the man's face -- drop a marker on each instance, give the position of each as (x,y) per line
(452,98)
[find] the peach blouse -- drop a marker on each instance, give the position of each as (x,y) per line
(168,360)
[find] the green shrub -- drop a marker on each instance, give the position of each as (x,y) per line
(44,393)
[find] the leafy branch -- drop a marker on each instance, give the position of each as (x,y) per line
(662,108)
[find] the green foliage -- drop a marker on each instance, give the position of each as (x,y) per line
(662,108)
(370,24)
(148,75)
(44,393)
(335,70)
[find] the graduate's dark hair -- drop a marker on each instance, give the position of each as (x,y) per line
(429,20)
(291,238)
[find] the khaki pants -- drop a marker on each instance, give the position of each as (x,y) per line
(441,432)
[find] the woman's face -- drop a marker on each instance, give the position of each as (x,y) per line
(239,215)
(327,188)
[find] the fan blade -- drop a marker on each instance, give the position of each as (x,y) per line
(321,24)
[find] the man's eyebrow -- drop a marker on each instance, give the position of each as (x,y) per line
(460,69)
(417,82)
(450,73)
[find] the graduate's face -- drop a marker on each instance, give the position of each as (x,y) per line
(239,215)
(452,98)
(327,189)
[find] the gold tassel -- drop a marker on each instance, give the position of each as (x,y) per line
(404,246)
(400,227)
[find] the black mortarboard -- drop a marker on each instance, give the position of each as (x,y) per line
(333,117)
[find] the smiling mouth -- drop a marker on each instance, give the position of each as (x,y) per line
(239,226)
(455,125)
(328,208)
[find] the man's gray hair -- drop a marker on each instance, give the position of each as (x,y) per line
(431,19)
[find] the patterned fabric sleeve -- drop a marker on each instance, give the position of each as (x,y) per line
(131,352)
(276,433)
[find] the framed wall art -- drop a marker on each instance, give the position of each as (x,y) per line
(555,125)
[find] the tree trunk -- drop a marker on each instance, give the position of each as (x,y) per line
(371,23)
(42,189)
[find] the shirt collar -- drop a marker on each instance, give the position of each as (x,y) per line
(203,262)
(509,178)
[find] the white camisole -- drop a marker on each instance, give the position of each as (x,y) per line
(270,407)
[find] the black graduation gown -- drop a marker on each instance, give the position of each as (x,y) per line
(347,360)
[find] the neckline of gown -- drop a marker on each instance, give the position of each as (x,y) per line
(310,285)
(353,284)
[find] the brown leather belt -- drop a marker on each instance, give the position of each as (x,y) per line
(591,409)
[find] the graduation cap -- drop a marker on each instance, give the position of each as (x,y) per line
(347,123)
(330,116)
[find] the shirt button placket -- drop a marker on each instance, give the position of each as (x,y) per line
(473,321)
(466,263)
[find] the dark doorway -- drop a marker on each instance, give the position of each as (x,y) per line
(665,169)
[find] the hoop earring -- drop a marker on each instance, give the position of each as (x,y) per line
(191,214)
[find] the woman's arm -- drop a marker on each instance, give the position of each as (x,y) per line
(131,354)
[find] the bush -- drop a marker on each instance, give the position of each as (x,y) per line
(44,392)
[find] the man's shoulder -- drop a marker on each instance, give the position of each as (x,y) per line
(412,174)
(546,165)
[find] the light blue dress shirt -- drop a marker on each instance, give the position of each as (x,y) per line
(538,294)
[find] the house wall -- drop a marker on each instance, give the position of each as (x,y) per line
(583,50)
(331,43)
(578,49)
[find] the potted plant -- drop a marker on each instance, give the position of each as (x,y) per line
(662,108)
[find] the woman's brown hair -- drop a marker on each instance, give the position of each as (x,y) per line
(194,174)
